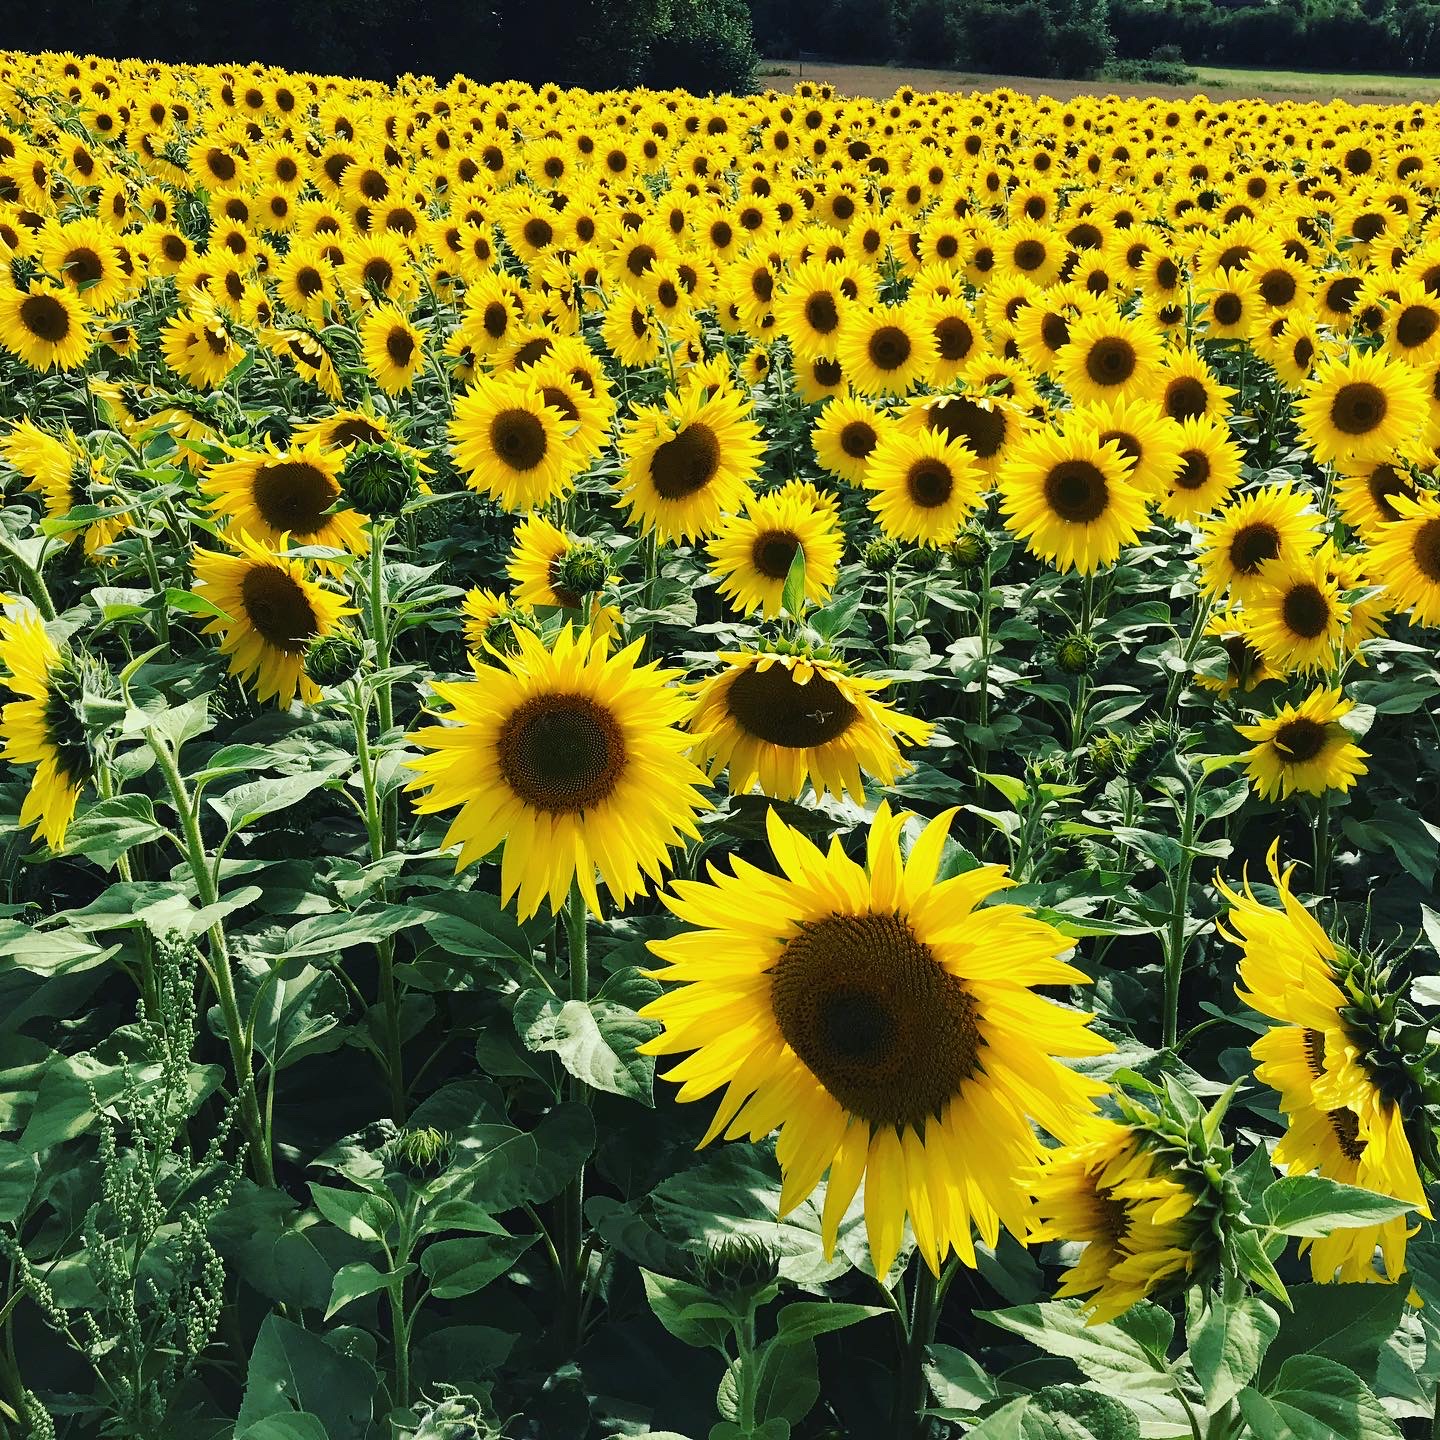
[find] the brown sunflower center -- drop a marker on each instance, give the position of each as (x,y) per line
(1077,491)
(981,428)
(1194,470)
(400,347)
(954,338)
(379,272)
(496,319)
(1346,1127)
(685,463)
(858,439)
(929,482)
(1054,331)
(1304,352)
(821,312)
(293,496)
(774,551)
(889,348)
(538,232)
(45,317)
(532,351)
(1228,309)
(876,1019)
(1029,255)
(772,706)
(1111,361)
(519,438)
(827,372)
(1306,610)
(561,753)
(1277,287)
(278,608)
(1358,408)
(1425,549)
(1251,545)
(309,281)
(1300,740)
(558,399)
(83,265)
(1417,323)
(1125,442)
(356,428)
(1185,398)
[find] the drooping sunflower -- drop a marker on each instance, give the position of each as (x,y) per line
(1068,496)
(1406,552)
(754,551)
(1297,614)
(1209,469)
(924,486)
(1245,665)
(45,727)
(392,348)
(289,496)
(1276,522)
(689,461)
(491,620)
(573,760)
(1340,1099)
(273,612)
(510,444)
(1111,1192)
(1361,407)
(67,477)
(1109,357)
(887,350)
(1304,747)
(786,721)
(845,437)
(44,326)
(882,1021)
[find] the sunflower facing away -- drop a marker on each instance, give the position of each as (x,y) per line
(1342,1121)
(1304,747)
(883,1021)
(573,760)
(786,721)
(43,728)
(272,613)
(754,551)
(1112,1192)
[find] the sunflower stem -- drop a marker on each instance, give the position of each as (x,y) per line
(1178,677)
(572,1234)
(1179,904)
(890,615)
(910,1419)
(33,580)
(1320,871)
(380,634)
(985,643)
(218,968)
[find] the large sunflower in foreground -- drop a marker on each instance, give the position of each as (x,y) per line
(754,551)
(573,760)
(273,612)
(44,727)
(689,462)
(886,1024)
(1068,496)
(1336,1092)
(1304,747)
(272,494)
(786,721)
(1113,1193)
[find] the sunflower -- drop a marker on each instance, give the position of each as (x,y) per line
(1068,495)
(198,346)
(1412,324)
(1150,439)
(753,552)
(956,335)
(1229,303)
(690,461)
(631,330)
(845,437)
(1366,494)
(1344,1120)
(392,348)
(544,562)
(1297,349)
(1297,617)
(1189,390)
(784,721)
(1406,552)
(46,726)
(1109,358)
(44,326)
(272,613)
(1245,665)
(573,760)
(1111,1192)
(988,426)
(924,486)
(1362,407)
(1276,522)
(1304,747)
(1209,469)
(84,257)
(491,620)
(278,496)
(811,307)
(66,477)
(510,444)
(882,1021)
(886,351)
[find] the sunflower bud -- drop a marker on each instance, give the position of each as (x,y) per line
(582,570)
(1151,743)
(334,659)
(739,1267)
(379,480)
(970,549)
(424,1151)
(1076,653)
(1108,755)
(925,559)
(880,555)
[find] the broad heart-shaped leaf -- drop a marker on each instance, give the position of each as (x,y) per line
(502,1167)
(103,832)
(244,804)
(294,1369)
(49,952)
(300,1016)
(1313,1398)
(463,1266)
(805,1319)
(1312,1206)
(354,1281)
(1121,1355)
(1067,1412)
(960,1385)
(356,1212)
(1227,1344)
(1345,1323)
(789,1382)
(595,1040)
(687,1311)
(300,1425)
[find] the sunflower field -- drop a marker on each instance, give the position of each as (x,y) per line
(740,768)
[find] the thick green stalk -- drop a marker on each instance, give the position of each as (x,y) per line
(910,1420)
(572,1234)
(34,582)
(218,969)
(1320,871)
(1180,902)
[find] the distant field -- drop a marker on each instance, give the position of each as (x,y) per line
(881,80)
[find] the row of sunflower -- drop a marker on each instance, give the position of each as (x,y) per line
(559,489)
